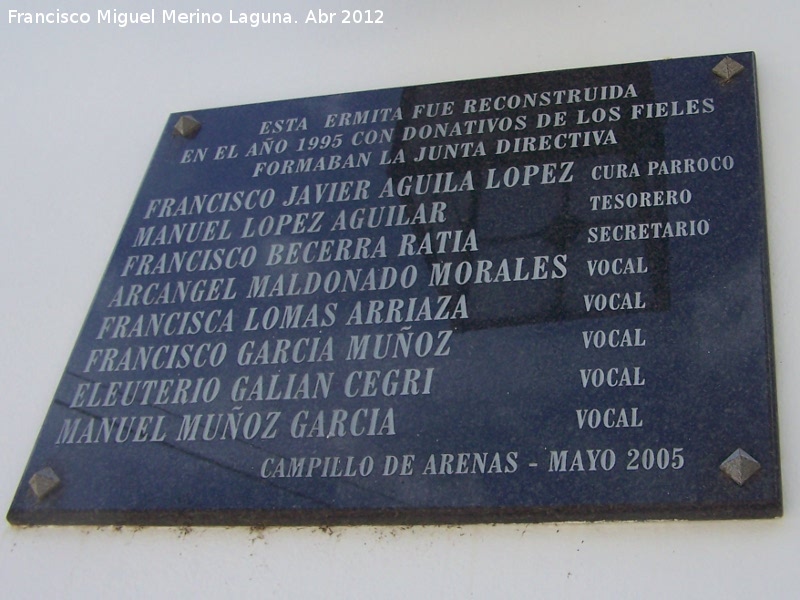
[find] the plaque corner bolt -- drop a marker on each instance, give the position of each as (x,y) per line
(187,127)
(740,466)
(727,69)
(43,482)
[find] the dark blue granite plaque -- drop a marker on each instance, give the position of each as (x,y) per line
(525,298)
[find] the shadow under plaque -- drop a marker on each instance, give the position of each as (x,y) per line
(524,298)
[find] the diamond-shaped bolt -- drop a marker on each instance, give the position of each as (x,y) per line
(727,69)
(740,466)
(187,126)
(43,482)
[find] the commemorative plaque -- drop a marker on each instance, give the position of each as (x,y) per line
(526,298)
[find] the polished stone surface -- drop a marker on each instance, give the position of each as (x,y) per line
(524,298)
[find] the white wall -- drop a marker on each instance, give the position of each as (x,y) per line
(81,109)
